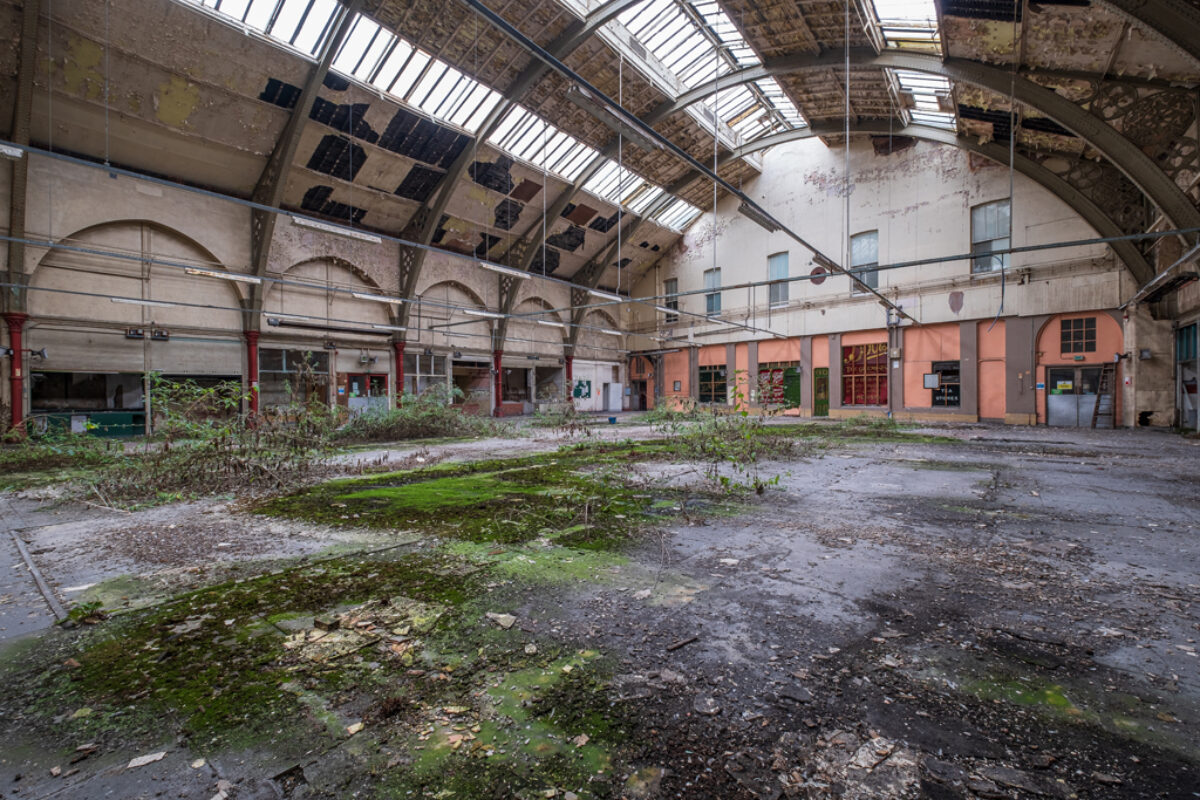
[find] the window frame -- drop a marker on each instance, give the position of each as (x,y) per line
(671,299)
(777,292)
(871,277)
(1077,335)
(713,385)
(941,397)
(712,300)
(978,256)
(867,377)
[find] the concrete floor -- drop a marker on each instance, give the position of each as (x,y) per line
(1014,614)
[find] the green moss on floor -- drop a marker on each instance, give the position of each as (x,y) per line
(577,495)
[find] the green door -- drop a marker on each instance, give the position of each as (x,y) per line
(821,392)
(791,388)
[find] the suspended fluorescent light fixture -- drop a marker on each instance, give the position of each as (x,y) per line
(336,230)
(606,295)
(509,271)
(378,298)
(614,120)
(611,332)
(231,276)
(133,301)
(759,218)
(551,323)
(666,310)
(9,151)
(278,315)
(475,312)
(389,327)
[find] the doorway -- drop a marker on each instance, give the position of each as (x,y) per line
(821,391)
(638,396)
(1071,396)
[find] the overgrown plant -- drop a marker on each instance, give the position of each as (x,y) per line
(728,441)
(566,420)
(428,415)
(204,446)
(32,449)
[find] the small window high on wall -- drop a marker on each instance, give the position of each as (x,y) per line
(712,282)
(864,375)
(671,289)
(991,226)
(777,270)
(864,252)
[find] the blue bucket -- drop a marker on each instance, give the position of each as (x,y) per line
(612,420)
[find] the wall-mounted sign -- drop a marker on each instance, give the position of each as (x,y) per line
(933,380)
(1041,387)
(582,390)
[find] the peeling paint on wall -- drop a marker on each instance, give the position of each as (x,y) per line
(175,101)
(80,69)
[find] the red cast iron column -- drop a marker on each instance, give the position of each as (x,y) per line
(399,348)
(252,369)
(16,327)
(498,382)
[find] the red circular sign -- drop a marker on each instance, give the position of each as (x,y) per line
(818,274)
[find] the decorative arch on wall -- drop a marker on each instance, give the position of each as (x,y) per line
(121,262)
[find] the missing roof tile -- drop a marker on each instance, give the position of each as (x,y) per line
(570,239)
(493,175)
(337,156)
(581,215)
(419,183)
(526,190)
(507,213)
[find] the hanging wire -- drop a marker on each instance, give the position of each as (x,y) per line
(716,123)
(620,164)
(107,95)
(1012,151)
(846,145)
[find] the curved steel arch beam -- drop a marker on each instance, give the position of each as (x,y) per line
(424,221)
(1091,213)
(1122,153)
(1176,21)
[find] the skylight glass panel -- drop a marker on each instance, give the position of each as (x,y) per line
(530,138)
(677,215)
(912,25)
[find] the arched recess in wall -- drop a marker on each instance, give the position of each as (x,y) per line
(327,307)
(430,317)
(526,335)
(592,342)
(197,317)
(1069,349)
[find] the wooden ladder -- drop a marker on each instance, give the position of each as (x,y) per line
(1105,408)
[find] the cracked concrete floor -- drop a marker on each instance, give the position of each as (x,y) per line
(1010,615)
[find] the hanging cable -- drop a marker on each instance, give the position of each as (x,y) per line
(107,94)
(846,143)
(620,164)
(1012,152)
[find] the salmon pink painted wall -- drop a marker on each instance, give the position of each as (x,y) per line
(777,350)
(712,356)
(675,368)
(923,345)
(820,351)
(992,374)
(863,337)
